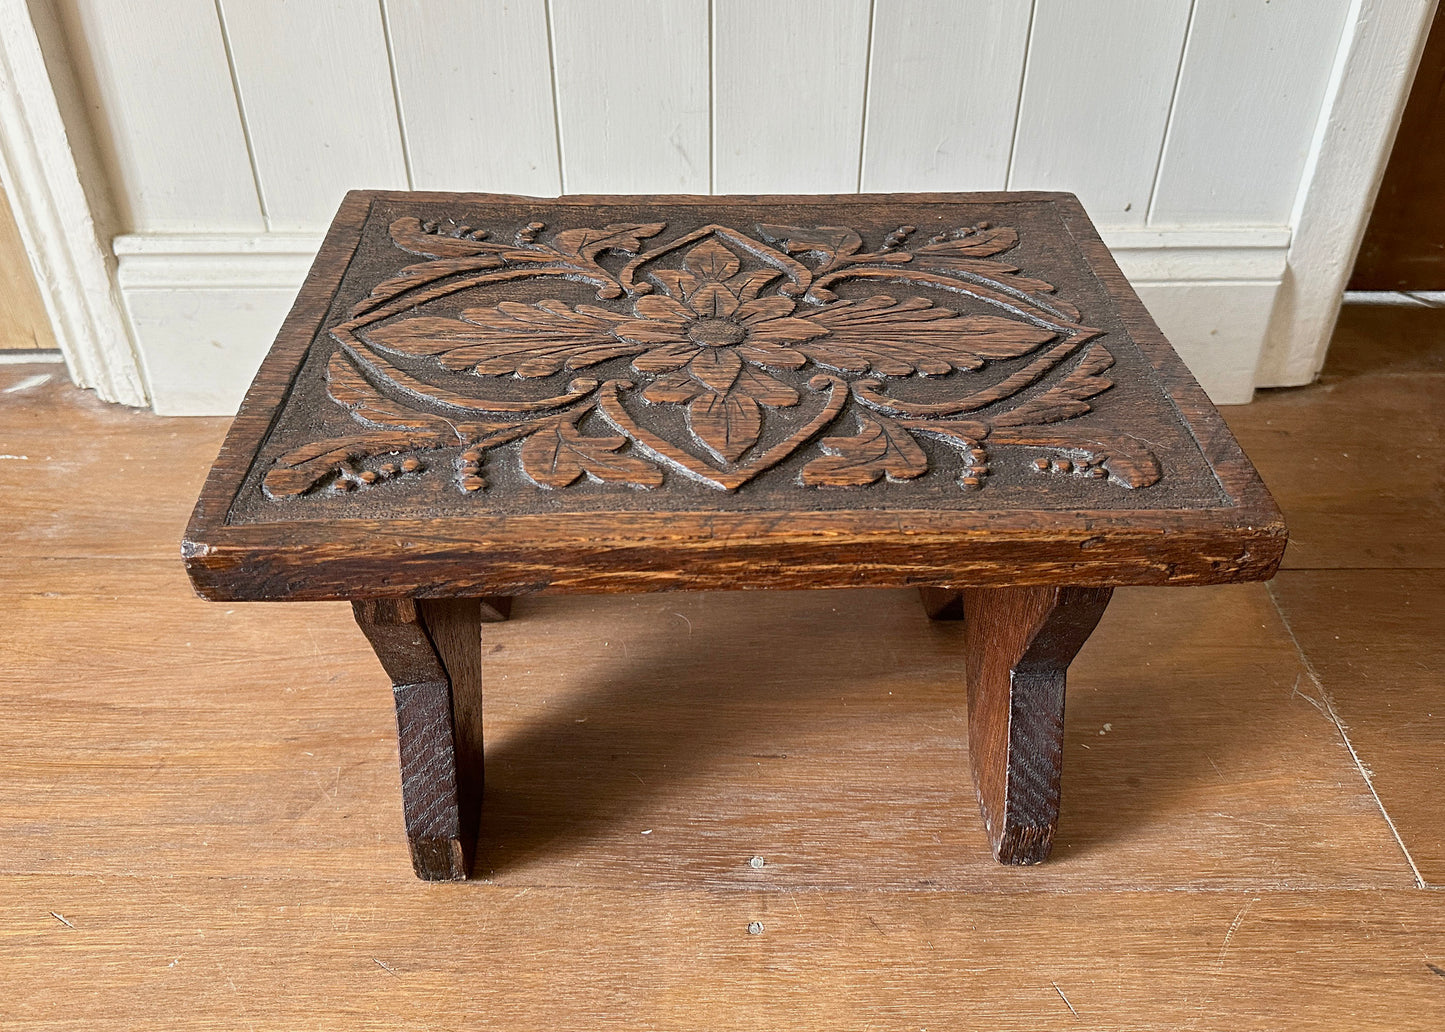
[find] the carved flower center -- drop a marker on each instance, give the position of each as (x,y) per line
(716,333)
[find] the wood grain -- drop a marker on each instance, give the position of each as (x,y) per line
(273,955)
(607,717)
(185,832)
(1373,640)
(438,723)
(1354,462)
(24,324)
(1020,643)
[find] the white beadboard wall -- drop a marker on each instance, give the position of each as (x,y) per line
(230,130)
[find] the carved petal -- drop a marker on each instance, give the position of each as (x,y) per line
(773,356)
(665,359)
(881,448)
(727,425)
(713,301)
(528,340)
(656,306)
(651,331)
(676,282)
(765,308)
(766,389)
(896,338)
(784,331)
(717,368)
(677,388)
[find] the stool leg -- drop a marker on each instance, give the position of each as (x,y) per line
(496,608)
(1020,641)
(942,603)
(432,651)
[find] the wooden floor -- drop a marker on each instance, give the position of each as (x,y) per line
(200,815)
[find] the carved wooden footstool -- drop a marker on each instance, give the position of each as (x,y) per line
(478,397)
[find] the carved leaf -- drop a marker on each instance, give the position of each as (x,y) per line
(528,340)
(970,244)
(726,424)
(350,389)
(409,234)
(828,240)
(881,448)
(302,469)
(558,455)
(1066,399)
(587,244)
(896,338)
(1129,463)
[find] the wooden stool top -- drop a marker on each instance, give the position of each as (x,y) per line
(491,395)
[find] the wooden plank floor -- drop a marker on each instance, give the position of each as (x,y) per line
(200,816)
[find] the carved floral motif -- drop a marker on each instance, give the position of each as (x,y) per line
(713,323)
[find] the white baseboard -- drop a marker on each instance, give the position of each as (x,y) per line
(204,309)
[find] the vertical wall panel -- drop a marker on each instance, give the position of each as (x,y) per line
(1096,100)
(474,82)
(1253,80)
(316,95)
(788,83)
(155,76)
(943,90)
(632,95)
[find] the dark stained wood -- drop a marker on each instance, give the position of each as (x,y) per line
(713,399)
(432,652)
(495,608)
(942,603)
(1020,644)
(1404,243)
(481,396)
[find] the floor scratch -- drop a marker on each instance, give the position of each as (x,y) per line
(61,919)
(1326,706)
(1065,999)
(1229,935)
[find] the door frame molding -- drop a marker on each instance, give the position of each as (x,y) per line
(1369,85)
(67,245)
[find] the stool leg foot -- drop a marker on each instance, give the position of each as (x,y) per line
(432,651)
(942,603)
(1020,642)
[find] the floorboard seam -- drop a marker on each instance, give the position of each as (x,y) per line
(1333,715)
